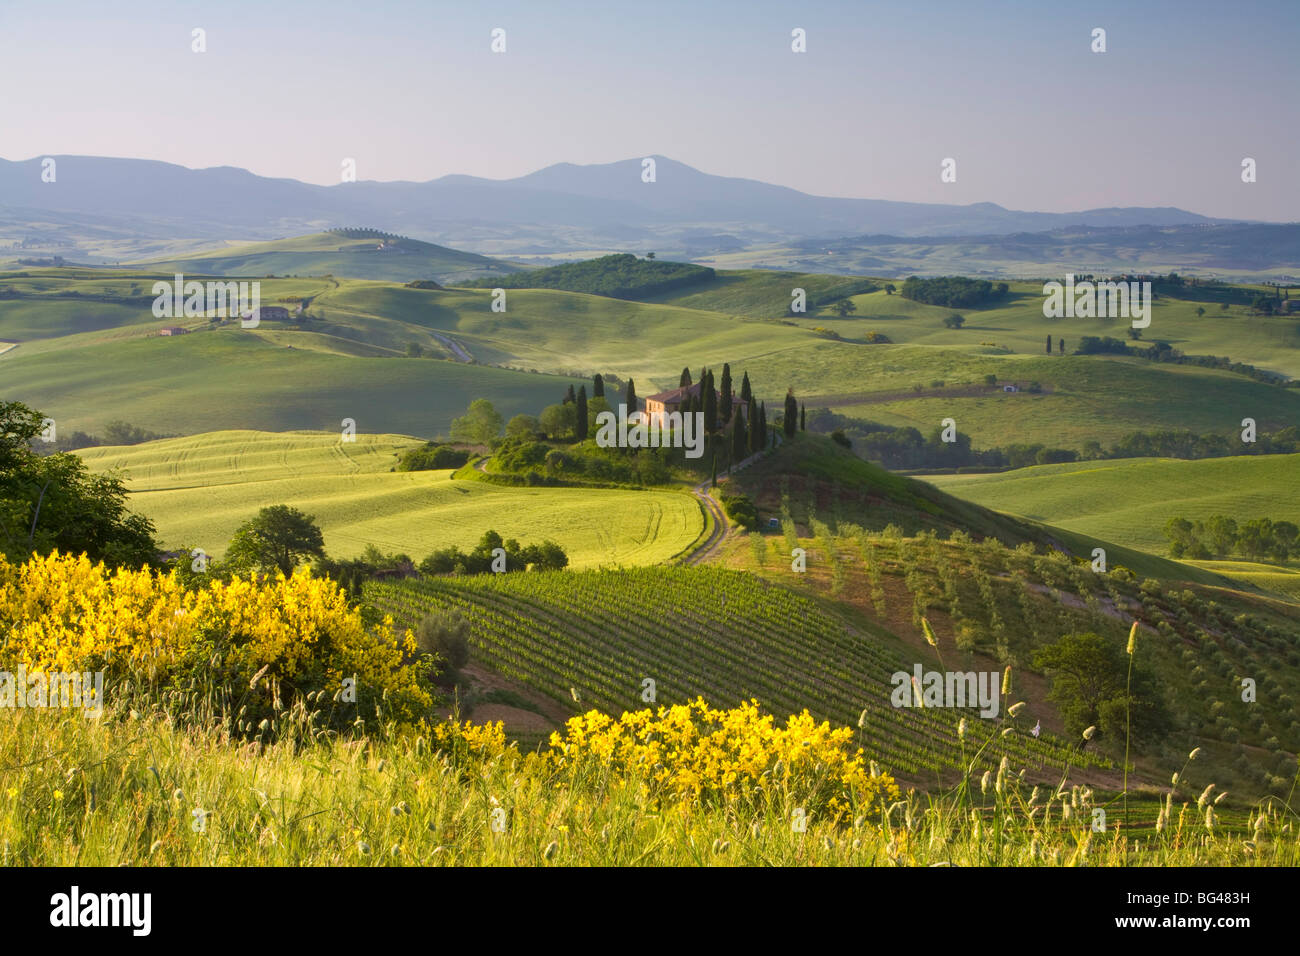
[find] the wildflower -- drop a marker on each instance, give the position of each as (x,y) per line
(364,848)
(1205,795)
(1006,682)
(252,684)
(58,794)
(1132,638)
(1174,779)
(862,719)
(1016,708)
(961,729)
(984,781)
(929,633)
(1087,734)
(12,792)
(573,692)
(1219,798)
(1192,755)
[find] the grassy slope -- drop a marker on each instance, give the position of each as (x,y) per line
(230,378)
(1129,500)
(328,254)
(199,489)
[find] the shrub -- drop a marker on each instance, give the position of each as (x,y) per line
(446,634)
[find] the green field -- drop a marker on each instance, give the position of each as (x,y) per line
(1128,500)
(198,490)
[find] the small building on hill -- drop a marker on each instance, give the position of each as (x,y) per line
(1010,388)
(173,330)
(673,400)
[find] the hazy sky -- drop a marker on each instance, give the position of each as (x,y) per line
(885,91)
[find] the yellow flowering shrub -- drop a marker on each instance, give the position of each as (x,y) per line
(68,613)
(694,753)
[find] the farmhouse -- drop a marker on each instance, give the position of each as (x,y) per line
(674,400)
(270,313)
(173,330)
(1010,388)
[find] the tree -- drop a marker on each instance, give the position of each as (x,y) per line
(413,350)
(710,402)
(1060,345)
(840,438)
(746,392)
(598,386)
(1134,334)
(1200,310)
(724,399)
(1255,538)
(954,321)
(479,425)
(1285,535)
(559,421)
(1089,675)
(803,418)
(50,502)
(685,380)
(791,416)
(569,396)
(1049,343)
(631,396)
(757,434)
(278,539)
(446,634)
(1221,534)
(843,307)
(523,426)
(649,255)
(890,288)
(582,425)
(739,439)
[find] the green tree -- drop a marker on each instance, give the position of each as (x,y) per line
(803,418)
(685,380)
(1088,675)
(523,426)
(631,399)
(278,539)
(1255,538)
(446,634)
(480,424)
(1200,310)
(413,350)
(50,502)
(1221,535)
(739,439)
(843,307)
(582,425)
(1049,343)
(710,402)
(559,421)
(746,392)
(890,288)
(598,386)
(724,399)
(955,321)
(790,419)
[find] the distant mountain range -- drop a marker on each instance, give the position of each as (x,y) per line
(115,209)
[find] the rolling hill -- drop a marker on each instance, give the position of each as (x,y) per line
(345,253)
(198,490)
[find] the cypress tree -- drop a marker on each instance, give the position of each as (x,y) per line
(1061,343)
(746,393)
(631,396)
(724,400)
(715,468)
(762,419)
(1049,343)
(756,435)
(710,403)
(583,426)
(739,440)
(791,414)
(598,386)
(803,418)
(685,380)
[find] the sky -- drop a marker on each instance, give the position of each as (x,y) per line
(884,93)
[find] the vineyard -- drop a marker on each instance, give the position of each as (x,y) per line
(597,636)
